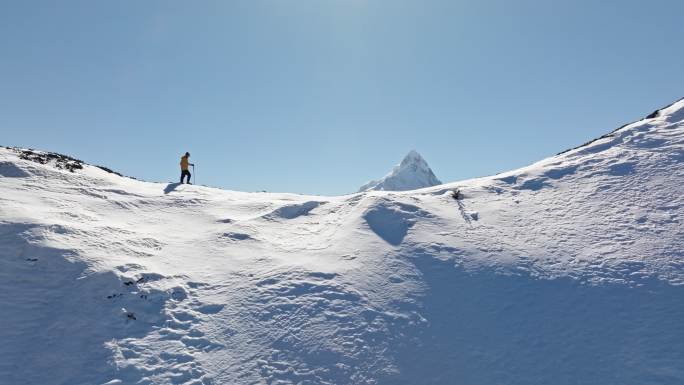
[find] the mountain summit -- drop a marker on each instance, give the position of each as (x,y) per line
(412,173)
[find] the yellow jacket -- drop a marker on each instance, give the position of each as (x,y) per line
(184,163)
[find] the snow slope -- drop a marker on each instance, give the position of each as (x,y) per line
(412,173)
(569,271)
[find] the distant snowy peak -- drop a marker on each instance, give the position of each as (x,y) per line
(412,173)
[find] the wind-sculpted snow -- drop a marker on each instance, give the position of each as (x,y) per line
(294,210)
(10,170)
(514,329)
(569,271)
(391,221)
(63,323)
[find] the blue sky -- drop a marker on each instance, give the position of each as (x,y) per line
(320,96)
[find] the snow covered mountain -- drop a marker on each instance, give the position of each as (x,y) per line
(568,271)
(411,174)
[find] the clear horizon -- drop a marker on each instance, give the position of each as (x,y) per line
(321,97)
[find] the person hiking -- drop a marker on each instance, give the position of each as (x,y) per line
(184,163)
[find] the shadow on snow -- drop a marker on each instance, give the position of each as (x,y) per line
(487,328)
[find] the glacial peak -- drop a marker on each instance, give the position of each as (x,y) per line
(412,173)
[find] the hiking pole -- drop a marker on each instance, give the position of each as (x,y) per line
(194,178)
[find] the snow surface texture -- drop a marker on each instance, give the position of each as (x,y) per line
(569,271)
(411,174)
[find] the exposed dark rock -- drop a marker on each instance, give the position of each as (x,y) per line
(63,162)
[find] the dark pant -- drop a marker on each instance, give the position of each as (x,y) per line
(184,173)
